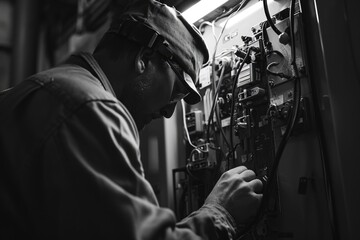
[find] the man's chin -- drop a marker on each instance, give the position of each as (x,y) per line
(141,124)
(144,120)
(141,127)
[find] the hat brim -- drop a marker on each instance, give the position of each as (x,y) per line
(194,96)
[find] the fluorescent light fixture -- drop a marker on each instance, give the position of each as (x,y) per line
(256,9)
(201,9)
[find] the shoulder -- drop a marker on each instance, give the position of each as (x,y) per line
(105,126)
(79,91)
(113,114)
(73,82)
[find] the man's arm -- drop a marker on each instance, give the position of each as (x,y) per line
(96,189)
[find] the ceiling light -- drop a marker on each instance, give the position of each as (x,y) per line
(201,9)
(256,10)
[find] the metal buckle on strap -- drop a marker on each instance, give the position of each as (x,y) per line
(144,35)
(153,39)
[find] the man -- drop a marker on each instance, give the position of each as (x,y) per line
(70,161)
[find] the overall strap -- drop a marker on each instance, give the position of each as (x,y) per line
(97,69)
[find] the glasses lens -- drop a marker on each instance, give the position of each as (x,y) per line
(179,91)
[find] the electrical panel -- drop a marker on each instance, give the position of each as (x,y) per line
(258,110)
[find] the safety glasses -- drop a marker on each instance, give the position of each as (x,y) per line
(179,90)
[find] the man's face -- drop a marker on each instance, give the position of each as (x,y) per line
(154,93)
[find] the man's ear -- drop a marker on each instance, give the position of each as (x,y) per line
(142,59)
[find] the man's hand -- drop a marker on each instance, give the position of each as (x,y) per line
(239,192)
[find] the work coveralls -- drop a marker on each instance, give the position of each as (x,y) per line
(71,169)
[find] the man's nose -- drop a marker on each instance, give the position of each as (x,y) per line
(168,110)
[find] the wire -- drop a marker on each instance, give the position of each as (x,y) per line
(204,23)
(289,128)
(292,36)
(278,74)
(233,100)
(294,111)
(275,52)
(217,39)
(212,27)
(198,150)
(216,46)
(297,98)
(225,52)
(227,159)
(185,125)
(268,17)
(265,37)
(241,4)
(350,35)
(214,103)
(329,194)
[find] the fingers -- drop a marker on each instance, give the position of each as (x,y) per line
(237,170)
(248,175)
(256,185)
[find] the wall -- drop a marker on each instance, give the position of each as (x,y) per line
(333,37)
(162,150)
(6,24)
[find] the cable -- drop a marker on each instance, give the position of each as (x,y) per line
(289,128)
(297,98)
(214,103)
(265,37)
(292,36)
(217,39)
(241,4)
(195,150)
(227,158)
(212,27)
(294,111)
(329,194)
(225,52)
(204,23)
(283,36)
(185,125)
(268,17)
(217,43)
(233,101)
(350,35)
(278,74)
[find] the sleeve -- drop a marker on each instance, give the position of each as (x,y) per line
(95,188)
